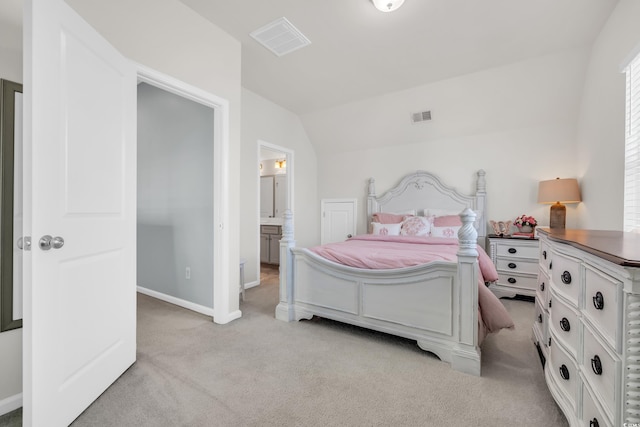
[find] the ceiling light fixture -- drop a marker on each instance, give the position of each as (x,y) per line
(387,5)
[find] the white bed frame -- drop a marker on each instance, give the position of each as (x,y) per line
(436,304)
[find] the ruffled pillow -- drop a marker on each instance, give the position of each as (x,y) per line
(415,226)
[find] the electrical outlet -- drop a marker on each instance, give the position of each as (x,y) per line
(187,273)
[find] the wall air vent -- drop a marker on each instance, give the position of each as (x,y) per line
(422,116)
(280,37)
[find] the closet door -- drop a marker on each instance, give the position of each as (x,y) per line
(338,218)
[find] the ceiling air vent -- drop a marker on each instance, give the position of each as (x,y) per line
(280,37)
(422,116)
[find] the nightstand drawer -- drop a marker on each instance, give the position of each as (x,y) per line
(600,367)
(603,295)
(517,280)
(513,248)
(565,323)
(565,275)
(518,266)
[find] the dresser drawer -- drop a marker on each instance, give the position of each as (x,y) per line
(592,415)
(540,327)
(542,289)
(603,297)
(518,266)
(565,323)
(565,275)
(517,249)
(517,280)
(544,256)
(601,369)
(564,371)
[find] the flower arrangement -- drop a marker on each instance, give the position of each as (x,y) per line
(525,220)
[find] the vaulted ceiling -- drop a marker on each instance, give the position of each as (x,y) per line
(357,52)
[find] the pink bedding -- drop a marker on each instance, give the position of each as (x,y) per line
(387,252)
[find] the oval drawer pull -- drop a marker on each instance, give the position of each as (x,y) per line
(594,423)
(566,277)
(565,325)
(512,265)
(544,254)
(511,280)
(564,372)
(542,287)
(512,250)
(539,318)
(598,301)
(596,365)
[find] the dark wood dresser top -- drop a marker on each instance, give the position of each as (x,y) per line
(615,246)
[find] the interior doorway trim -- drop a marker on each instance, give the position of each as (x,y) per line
(290,188)
(224,310)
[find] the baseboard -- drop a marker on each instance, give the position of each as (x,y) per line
(251,284)
(207,311)
(11,403)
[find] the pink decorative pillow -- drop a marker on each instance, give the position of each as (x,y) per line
(386,229)
(450,232)
(415,226)
(447,221)
(388,218)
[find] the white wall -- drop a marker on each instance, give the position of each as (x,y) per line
(268,122)
(169,37)
(517,122)
(600,142)
(10,341)
(175,196)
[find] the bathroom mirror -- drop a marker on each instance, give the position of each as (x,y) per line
(10,207)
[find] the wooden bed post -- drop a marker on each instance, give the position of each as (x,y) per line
(284,310)
(466,353)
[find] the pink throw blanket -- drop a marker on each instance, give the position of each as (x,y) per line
(386,252)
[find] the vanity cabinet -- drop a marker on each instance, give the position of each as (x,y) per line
(270,236)
(587,325)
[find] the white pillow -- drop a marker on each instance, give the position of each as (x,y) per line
(386,229)
(450,232)
(415,226)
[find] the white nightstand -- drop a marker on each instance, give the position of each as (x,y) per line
(517,263)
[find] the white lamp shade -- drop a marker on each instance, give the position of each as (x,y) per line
(559,190)
(387,5)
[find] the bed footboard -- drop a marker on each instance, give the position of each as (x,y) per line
(436,304)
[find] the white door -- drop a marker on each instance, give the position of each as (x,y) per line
(266,196)
(80,183)
(280,196)
(338,218)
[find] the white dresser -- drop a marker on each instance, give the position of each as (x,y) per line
(587,326)
(516,261)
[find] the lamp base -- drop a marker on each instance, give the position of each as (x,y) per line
(557,215)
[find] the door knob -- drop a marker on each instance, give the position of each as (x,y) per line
(47,242)
(24,243)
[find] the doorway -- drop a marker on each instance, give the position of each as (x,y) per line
(275,197)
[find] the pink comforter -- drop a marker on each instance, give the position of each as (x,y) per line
(387,252)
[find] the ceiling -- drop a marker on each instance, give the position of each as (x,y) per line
(357,52)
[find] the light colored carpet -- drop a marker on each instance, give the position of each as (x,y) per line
(257,371)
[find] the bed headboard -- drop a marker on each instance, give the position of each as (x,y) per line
(421,190)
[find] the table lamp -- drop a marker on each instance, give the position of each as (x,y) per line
(556,192)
